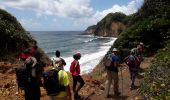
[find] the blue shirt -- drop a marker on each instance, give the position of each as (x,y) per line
(114,59)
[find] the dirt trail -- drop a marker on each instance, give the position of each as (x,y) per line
(93,89)
(126,93)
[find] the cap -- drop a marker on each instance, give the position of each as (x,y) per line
(78,54)
(114,49)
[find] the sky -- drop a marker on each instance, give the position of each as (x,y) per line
(65,15)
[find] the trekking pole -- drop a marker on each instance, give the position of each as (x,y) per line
(121,79)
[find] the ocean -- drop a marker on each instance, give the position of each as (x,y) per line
(92,48)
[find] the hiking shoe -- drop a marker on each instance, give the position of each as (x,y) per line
(132,87)
(117,93)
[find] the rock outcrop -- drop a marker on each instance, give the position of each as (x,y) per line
(110,26)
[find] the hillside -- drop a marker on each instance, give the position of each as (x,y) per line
(14,39)
(150,25)
(147,26)
(110,26)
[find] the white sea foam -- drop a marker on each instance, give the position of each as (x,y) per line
(89,61)
(90,40)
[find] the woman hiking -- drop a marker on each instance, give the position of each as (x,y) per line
(75,71)
(133,63)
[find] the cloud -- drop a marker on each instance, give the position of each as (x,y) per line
(2,7)
(61,8)
(78,11)
(130,8)
(30,23)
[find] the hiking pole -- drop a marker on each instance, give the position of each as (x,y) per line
(121,79)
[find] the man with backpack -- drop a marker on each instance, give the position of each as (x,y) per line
(112,73)
(133,63)
(58,62)
(26,78)
(57,84)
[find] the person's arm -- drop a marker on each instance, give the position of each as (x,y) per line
(34,61)
(63,61)
(68,91)
(66,83)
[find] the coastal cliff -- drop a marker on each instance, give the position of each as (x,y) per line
(14,39)
(110,26)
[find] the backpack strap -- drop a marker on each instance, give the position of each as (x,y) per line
(75,67)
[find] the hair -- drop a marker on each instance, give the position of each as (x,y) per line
(57,53)
(35,47)
(76,57)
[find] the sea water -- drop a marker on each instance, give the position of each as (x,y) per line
(92,48)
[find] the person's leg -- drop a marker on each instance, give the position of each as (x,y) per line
(35,89)
(52,98)
(74,83)
(116,83)
(56,98)
(134,74)
(27,94)
(81,81)
(131,70)
(109,78)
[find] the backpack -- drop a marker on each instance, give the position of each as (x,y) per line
(51,82)
(108,61)
(132,61)
(23,76)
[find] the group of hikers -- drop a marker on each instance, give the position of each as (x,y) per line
(55,80)
(31,75)
(112,65)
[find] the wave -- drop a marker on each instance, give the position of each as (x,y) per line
(90,40)
(89,60)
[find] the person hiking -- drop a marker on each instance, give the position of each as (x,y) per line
(75,71)
(140,48)
(133,64)
(40,64)
(32,89)
(58,62)
(57,85)
(112,74)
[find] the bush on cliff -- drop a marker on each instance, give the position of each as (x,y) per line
(150,25)
(152,29)
(13,38)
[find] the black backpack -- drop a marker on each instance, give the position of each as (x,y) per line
(23,76)
(51,82)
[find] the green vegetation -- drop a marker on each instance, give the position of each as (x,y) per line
(13,38)
(156,85)
(150,25)
(93,27)
(150,28)
(106,22)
